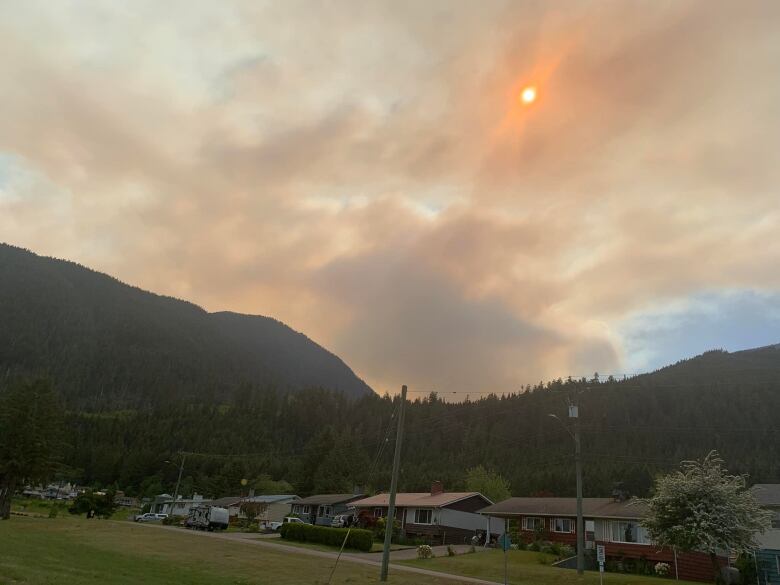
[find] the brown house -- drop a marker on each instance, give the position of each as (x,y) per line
(437,516)
(608,522)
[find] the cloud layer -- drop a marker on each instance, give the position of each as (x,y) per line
(366,173)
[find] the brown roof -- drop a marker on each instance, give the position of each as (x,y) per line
(329,499)
(422,499)
(591,507)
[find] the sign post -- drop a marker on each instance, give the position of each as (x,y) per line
(601,557)
(506,542)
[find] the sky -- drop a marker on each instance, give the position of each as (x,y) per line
(368,173)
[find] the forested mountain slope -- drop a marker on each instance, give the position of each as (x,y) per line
(109,345)
(631,430)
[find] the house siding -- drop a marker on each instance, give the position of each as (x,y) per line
(691,566)
(768,570)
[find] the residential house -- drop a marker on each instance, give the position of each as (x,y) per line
(768,495)
(121,499)
(181,507)
(322,508)
(768,553)
(611,522)
(231,503)
(276,507)
(437,516)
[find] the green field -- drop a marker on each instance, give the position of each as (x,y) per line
(527,568)
(76,551)
(38,551)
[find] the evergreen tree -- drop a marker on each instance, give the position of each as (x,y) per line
(30,433)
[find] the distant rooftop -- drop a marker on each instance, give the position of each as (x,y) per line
(422,499)
(767,494)
(591,507)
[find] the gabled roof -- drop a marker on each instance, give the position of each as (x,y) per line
(226,502)
(767,494)
(330,499)
(421,500)
(591,508)
(272,499)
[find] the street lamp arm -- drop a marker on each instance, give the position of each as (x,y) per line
(565,428)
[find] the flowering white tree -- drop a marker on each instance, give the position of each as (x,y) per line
(702,507)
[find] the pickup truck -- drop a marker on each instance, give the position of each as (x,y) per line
(149,517)
(287,520)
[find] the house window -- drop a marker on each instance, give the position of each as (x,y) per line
(563,525)
(530,523)
(306,510)
(326,511)
(378,512)
(296,509)
(423,516)
(627,531)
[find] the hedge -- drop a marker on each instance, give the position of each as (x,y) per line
(358,539)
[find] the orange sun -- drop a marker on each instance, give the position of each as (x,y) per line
(528,95)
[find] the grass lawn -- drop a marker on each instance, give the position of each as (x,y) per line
(525,568)
(76,551)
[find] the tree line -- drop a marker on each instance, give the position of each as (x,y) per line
(317,441)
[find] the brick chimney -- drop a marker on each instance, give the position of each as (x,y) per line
(437,488)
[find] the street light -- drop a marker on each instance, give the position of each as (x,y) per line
(574,413)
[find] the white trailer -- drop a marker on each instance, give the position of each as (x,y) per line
(206,517)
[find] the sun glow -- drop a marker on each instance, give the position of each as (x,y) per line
(528,95)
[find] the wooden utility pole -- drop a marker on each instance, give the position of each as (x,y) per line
(574,413)
(178,481)
(393,488)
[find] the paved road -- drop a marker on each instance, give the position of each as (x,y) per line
(364,559)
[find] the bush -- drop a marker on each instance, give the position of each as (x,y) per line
(541,558)
(534,546)
(172,520)
(102,504)
(566,551)
(661,569)
(425,552)
(358,539)
(450,551)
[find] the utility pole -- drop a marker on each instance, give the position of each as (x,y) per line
(178,481)
(574,413)
(393,488)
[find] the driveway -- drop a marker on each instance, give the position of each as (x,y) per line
(372,559)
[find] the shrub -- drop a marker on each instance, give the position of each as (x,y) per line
(53,511)
(450,551)
(172,520)
(534,546)
(541,558)
(522,545)
(661,569)
(566,551)
(424,551)
(358,539)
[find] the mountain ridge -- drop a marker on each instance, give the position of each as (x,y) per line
(110,344)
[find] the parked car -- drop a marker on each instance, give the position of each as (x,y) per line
(150,517)
(342,521)
(287,520)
